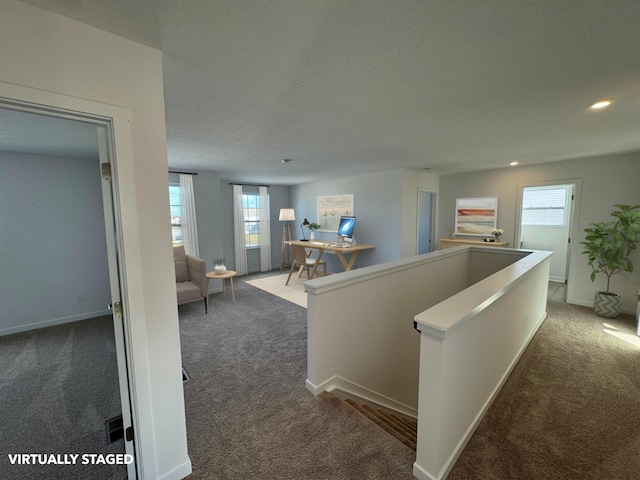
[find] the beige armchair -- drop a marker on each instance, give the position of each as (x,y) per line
(191,282)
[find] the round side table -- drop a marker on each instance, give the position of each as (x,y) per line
(222,276)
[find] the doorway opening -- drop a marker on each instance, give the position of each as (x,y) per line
(61,344)
(426,221)
(545,222)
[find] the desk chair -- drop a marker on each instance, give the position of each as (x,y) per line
(301,259)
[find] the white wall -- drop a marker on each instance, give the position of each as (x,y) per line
(605,181)
(461,370)
(360,334)
(52,244)
(207,196)
(62,61)
(385,205)
(377,199)
(279,197)
(412,181)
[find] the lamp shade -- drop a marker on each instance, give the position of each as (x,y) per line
(287,215)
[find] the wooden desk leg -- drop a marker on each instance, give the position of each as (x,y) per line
(315,265)
(233,294)
(352,260)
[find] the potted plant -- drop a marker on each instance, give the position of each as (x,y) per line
(219,266)
(608,246)
(313,227)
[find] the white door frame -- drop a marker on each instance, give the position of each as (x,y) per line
(105,147)
(111,119)
(573,222)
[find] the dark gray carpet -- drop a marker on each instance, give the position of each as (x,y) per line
(249,415)
(570,409)
(58,385)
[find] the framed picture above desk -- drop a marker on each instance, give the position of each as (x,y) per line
(342,252)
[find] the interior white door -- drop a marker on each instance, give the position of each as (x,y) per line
(104,145)
(541,230)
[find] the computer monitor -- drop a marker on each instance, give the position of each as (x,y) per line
(346,227)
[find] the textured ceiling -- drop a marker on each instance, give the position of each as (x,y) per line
(343,87)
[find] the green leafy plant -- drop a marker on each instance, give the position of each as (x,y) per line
(313,226)
(608,245)
(219,261)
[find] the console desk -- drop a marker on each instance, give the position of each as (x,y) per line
(322,247)
(454,242)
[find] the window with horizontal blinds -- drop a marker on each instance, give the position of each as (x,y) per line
(545,206)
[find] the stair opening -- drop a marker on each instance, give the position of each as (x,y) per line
(400,427)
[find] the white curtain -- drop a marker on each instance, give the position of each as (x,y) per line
(188,216)
(238,231)
(265,231)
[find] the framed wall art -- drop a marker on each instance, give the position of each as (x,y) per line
(476,216)
(331,208)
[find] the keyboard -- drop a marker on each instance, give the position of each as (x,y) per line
(330,244)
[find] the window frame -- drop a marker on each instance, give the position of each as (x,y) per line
(564,208)
(175,226)
(249,221)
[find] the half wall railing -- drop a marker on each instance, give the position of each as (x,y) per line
(476,308)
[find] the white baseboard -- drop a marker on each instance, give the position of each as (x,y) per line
(53,322)
(343,385)
(421,474)
(583,303)
(179,472)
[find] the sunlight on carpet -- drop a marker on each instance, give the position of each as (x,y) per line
(275,285)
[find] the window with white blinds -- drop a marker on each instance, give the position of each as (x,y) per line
(545,206)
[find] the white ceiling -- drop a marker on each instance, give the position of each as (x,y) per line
(344,87)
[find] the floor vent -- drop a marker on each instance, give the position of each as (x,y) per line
(115,429)
(185,376)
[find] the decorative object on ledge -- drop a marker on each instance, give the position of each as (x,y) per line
(219,265)
(496,233)
(476,216)
(456,242)
(313,227)
(608,247)
(450,232)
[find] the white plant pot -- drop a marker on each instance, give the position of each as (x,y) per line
(219,269)
(313,235)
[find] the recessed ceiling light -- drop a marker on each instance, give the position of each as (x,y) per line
(285,160)
(514,163)
(600,104)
